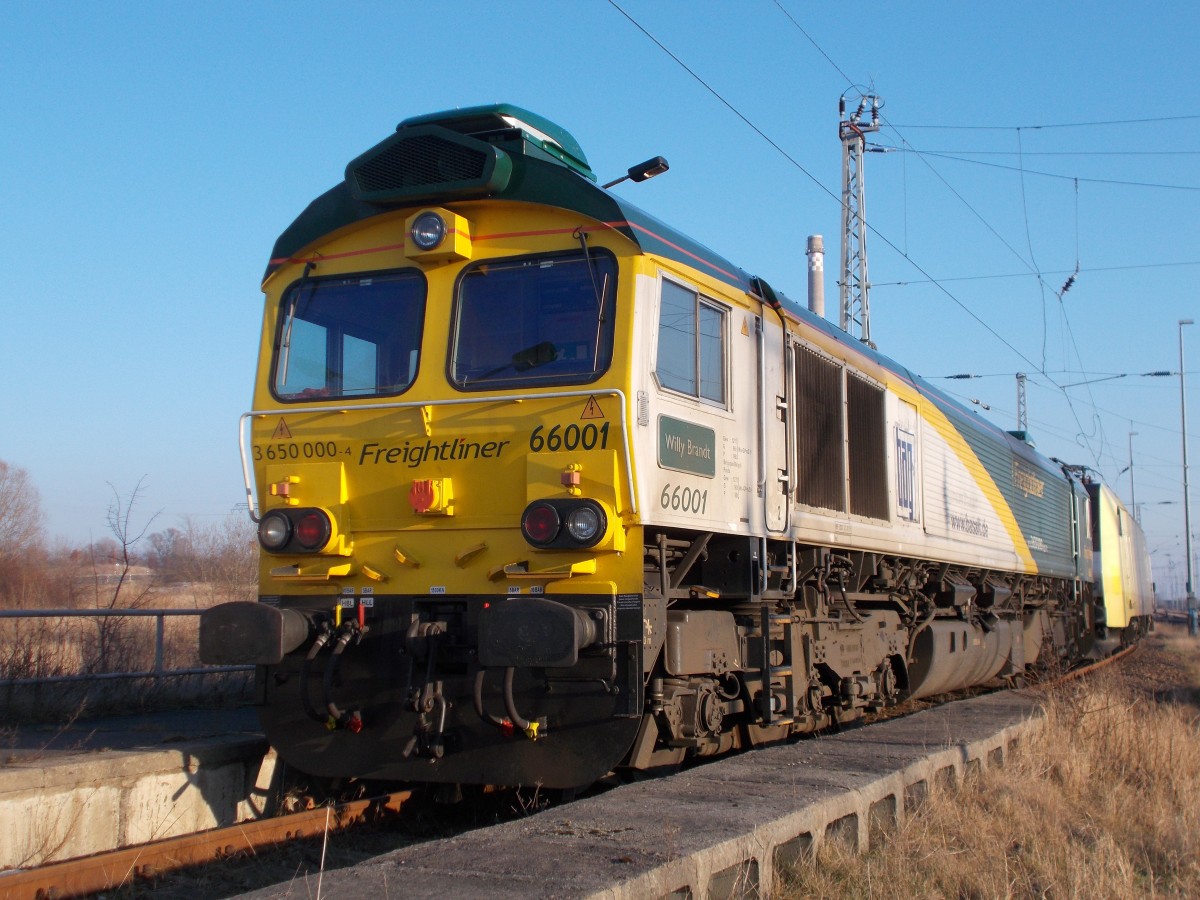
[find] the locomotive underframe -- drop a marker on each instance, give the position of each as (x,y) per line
(445,689)
(822,634)
(735,641)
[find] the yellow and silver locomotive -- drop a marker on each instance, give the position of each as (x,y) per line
(545,488)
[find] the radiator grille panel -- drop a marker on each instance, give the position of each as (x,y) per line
(428,162)
(419,162)
(820,476)
(866,437)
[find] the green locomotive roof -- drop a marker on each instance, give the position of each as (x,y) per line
(554,139)
(500,152)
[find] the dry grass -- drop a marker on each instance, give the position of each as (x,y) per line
(45,648)
(1105,802)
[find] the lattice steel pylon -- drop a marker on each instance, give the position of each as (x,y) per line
(854,285)
(1022,408)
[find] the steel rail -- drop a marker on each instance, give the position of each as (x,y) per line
(1092,667)
(115,868)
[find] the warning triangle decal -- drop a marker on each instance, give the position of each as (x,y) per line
(281,432)
(592,410)
(746,327)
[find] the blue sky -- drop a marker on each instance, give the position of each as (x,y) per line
(150,153)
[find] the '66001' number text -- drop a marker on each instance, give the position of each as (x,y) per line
(678,498)
(572,437)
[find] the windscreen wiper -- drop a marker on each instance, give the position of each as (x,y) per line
(285,342)
(598,290)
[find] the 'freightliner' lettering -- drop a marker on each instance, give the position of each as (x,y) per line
(412,455)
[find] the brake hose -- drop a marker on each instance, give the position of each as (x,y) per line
(318,644)
(483,713)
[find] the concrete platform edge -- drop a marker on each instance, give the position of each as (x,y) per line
(89,803)
(752,865)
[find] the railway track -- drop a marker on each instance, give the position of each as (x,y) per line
(1092,667)
(106,871)
(115,869)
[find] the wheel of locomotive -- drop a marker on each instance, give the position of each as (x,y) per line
(889,682)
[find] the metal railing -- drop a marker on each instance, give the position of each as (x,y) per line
(159,670)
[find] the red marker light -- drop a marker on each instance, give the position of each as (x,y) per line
(540,523)
(312,531)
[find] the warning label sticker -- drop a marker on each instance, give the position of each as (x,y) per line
(592,410)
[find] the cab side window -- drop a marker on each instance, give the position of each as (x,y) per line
(691,344)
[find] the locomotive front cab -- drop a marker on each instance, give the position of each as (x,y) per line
(439,461)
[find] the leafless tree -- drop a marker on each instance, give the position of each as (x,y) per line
(20,513)
(127,536)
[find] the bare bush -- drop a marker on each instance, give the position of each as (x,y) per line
(223,557)
(216,561)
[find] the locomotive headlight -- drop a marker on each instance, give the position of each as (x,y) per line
(585,524)
(437,235)
(428,230)
(274,531)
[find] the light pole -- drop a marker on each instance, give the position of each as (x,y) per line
(1187,517)
(1132,493)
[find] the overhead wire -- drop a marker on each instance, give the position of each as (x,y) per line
(1029,243)
(876,284)
(1156,120)
(992,165)
(1046,126)
(987,327)
(733,109)
(1032,263)
(930,279)
(1042,286)
(956,153)
(1031,266)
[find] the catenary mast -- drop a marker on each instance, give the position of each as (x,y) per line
(855,310)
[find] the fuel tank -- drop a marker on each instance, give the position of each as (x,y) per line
(950,655)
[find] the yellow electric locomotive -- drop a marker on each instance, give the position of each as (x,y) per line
(545,488)
(1123,581)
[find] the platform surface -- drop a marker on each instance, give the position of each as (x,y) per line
(722,829)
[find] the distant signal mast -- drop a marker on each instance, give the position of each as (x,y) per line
(854,285)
